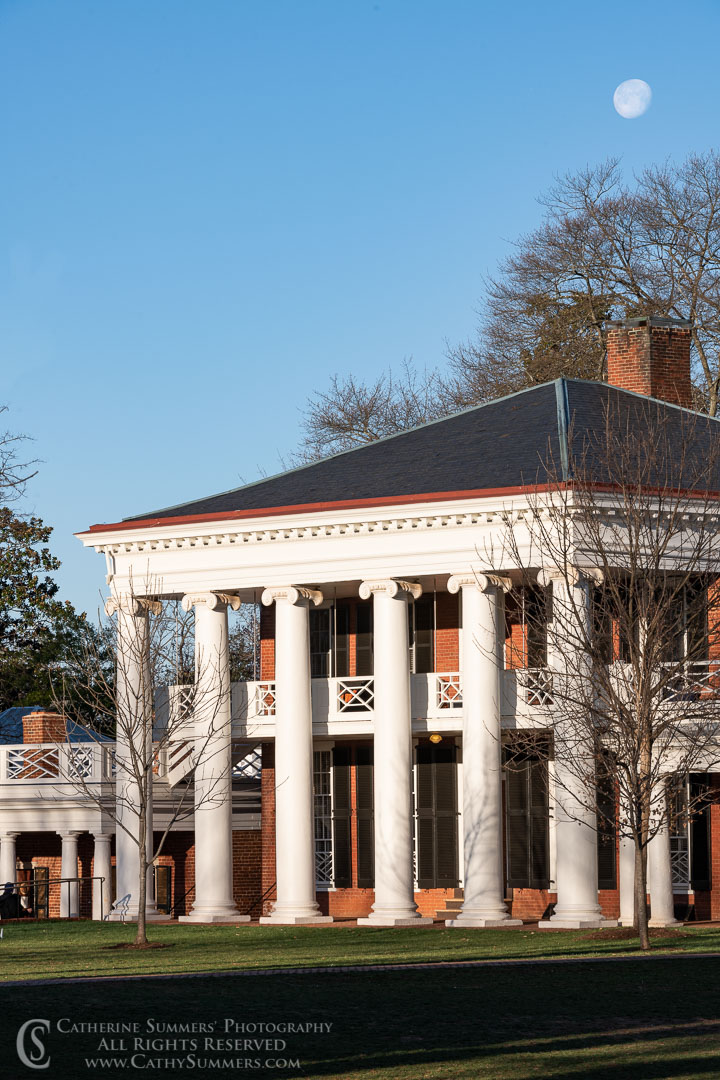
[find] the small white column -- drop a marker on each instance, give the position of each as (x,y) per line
(394,886)
(102,868)
(8,857)
(660,887)
(212,717)
(133,749)
(575,820)
(69,869)
(294,818)
(480,672)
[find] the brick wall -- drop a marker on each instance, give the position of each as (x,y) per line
(267,643)
(651,359)
(447,637)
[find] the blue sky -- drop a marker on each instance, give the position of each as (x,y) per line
(209,207)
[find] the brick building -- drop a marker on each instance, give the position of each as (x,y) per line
(381,721)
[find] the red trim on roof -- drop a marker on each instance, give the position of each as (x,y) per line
(307,508)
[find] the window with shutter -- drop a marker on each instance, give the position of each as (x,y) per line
(364,638)
(421,617)
(436,816)
(341,818)
(526,817)
(606,832)
(700,877)
(365,833)
(342,639)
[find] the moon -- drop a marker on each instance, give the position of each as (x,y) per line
(632,98)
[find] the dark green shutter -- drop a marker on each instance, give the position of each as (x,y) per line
(364,639)
(342,640)
(365,835)
(526,815)
(342,831)
(436,817)
(700,877)
(606,833)
(424,610)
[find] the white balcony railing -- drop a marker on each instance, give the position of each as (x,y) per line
(694,681)
(53,763)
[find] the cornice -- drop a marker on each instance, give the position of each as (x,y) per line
(224,536)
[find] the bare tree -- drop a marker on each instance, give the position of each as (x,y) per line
(353,412)
(605,249)
(629,533)
(153,723)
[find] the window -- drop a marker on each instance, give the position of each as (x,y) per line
(364,638)
(322,800)
(436,816)
(526,816)
(527,611)
(345,759)
(606,828)
(421,617)
(320,643)
(163,888)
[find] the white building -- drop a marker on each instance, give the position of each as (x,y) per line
(393,660)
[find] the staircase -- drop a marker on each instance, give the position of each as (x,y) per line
(453,905)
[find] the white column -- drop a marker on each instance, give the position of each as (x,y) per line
(627,881)
(660,886)
(394,887)
(294,818)
(69,869)
(575,820)
(133,748)
(8,857)
(102,867)
(481,672)
(626,869)
(212,720)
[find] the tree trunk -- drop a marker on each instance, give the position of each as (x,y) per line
(641,906)
(141,935)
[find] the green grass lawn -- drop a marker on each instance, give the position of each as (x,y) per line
(629,1021)
(65,949)
(638,1019)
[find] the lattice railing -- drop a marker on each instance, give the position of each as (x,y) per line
(448,692)
(33,763)
(355,695)
(679,860)
(537,686)
(697,681)
(265,699)
(249,767)
(80,762)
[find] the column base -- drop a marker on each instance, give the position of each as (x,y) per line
(479,920)
(295,920)
(389,920)
(132,916)
(213,917)
(657,924)
(577,924)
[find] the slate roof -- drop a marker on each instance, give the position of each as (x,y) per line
(503,444)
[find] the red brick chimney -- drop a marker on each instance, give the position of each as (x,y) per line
(651,355)
(41,726)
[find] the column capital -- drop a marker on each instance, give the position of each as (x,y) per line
(294,594)
(571,575)
(132,605)
(483,582)
(103,837)
(70,834)
(392,587)
(8,836)
(212,600)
